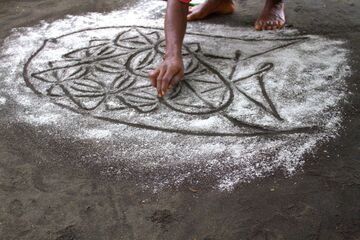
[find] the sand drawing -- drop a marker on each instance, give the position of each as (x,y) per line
(110,74)
(251,103)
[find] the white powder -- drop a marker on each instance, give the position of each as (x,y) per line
(305,90)
(42,119)
(211,122)
(96,134)
(2,101)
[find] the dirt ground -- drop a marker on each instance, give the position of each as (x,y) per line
(43,196)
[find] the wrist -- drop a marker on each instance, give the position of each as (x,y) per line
(173,56)
(173,51)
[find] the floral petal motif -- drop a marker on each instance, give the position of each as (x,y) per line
(49,80)
(201,95)
(93,53)
(190,64)
(143,62)
(121,82)
(88,94)
(114,65)
(141,97)
(134,39)
(60,74)
(85,53)
(55,91)
(115,73)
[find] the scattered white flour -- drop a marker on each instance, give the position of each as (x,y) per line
(96,134)
(281,97)
(42,119)
(211,122)
(2,101)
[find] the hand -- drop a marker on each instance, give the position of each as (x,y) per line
(167,75)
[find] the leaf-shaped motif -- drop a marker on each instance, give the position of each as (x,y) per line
(94,53)
(135,39)
(190,64)
(88,94)
(86,53)
(121,82)
(60,74)
(48,80)
(141,63)
(141,97)
(55,91)
(200,94)
(113,65)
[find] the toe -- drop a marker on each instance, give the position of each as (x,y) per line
(190,17)
(193,16)
(269,25)
(258,25)
(279,24)
(282,24)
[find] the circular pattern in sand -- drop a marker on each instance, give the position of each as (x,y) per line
(250,103)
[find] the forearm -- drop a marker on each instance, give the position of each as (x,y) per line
(175,27)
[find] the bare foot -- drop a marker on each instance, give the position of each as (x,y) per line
(272,16)
(209,7)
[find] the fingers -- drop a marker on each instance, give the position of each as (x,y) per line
(153,76)
(167,75)
(167,79)
(159,81)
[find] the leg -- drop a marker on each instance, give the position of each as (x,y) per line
(209,7)
(272,16)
